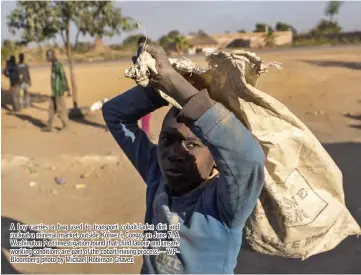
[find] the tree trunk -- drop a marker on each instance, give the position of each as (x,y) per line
(76,40)
(72,76)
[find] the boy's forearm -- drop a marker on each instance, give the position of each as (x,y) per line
(132,105)
(121,115)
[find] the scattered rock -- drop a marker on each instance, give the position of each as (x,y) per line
(32,184)
(59,180)
(85,175)
(80,186)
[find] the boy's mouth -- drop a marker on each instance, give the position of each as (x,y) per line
(174,171)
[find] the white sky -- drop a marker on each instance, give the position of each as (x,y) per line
(158,18)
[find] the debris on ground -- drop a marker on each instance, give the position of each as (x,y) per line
(33,184)
(59,180)
(80,186)
(98,105)
(84,175)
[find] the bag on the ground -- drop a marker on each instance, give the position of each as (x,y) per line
(301,211)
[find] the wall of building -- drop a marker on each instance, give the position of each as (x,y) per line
(204,48)
(257,39)
(283,38)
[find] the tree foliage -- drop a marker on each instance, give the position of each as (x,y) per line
(332,9)
(281,26)
(38,21)
(34,20)
(174,41)
(101,18)
(261,27)
(326,27)
(9,48)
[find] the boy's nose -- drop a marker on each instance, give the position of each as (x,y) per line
(177,153)
(176,158)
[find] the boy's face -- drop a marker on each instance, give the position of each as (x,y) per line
(185,161)
(49,56)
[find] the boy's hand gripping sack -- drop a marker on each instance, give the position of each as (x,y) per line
(301,211)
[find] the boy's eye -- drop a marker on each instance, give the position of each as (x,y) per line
(165,139)
(191,145)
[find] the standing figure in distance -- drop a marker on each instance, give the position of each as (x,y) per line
(59,85)
(25,80)
(12,72)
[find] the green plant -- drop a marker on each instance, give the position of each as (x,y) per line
(174,41)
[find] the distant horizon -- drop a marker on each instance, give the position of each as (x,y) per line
(158,18)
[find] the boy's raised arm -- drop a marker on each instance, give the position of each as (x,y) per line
(238,156)
(121,115)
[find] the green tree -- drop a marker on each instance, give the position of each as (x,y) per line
(35,21)
(174,41)
(181,43)
(166,42)
(332,9)
(261,27)
(326,27)
(9,48)
(242,31)
(280,26)
(38,21)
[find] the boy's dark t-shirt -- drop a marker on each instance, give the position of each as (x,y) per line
(12,72)
(212,216)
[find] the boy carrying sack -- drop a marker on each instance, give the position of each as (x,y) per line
(301,210)
(201,175)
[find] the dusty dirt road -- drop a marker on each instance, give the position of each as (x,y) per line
(322,87)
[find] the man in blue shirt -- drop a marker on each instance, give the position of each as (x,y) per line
(206,173)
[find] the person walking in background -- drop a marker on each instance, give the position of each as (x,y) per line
(25,80)
(12,72)
(145,120)
(59,85)
(145,124)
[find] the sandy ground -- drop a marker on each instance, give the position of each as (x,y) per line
(322,87)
